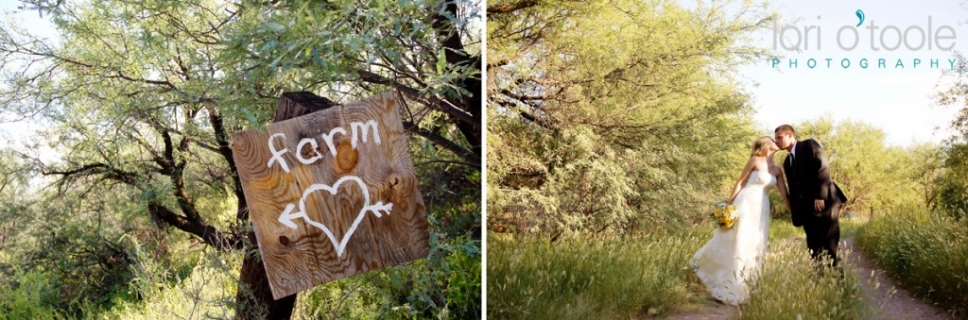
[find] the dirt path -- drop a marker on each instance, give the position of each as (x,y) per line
(711,310)
(888,300)
(880,292)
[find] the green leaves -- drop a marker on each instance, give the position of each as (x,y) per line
(441,62)
(275,26)
(605,122)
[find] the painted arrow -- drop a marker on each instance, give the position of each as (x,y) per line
(287,216)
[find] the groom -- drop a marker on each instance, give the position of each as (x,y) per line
(815,198)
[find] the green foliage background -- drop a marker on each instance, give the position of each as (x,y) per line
(621,132)
(126,204)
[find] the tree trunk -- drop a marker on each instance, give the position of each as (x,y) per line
(254,296)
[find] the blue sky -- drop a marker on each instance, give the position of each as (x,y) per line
(897,100)
(17,132)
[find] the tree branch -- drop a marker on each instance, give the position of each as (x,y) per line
(215,119)
(510,7)
(444,142)
(207,233)
(415,94)
(191,222)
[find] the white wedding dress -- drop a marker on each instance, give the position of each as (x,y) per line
(733,257)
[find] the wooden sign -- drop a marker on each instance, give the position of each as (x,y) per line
(332,194)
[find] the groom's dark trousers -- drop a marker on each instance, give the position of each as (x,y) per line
(808,179)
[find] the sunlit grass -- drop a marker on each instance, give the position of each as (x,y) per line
(633,277)
(925,253)
(793,286)
(589,278)
(849,227)
(780,229)
(783,229)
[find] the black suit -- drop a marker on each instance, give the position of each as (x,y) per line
(808,178)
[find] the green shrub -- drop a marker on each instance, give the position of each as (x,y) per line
(29,295)
(192,284)
(446,285)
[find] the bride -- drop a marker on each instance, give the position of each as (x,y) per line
(733,256)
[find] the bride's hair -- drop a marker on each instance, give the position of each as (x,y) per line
(759,146)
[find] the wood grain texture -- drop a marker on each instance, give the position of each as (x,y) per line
(256,296)
(298,259)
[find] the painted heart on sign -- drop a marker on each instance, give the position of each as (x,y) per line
(287,215)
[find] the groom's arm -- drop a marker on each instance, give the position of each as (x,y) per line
(823,172)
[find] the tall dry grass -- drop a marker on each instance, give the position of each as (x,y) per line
(584,278)
(634,277)
(925,253)
(793,286)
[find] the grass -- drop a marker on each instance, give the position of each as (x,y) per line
(203,288)
(850,227)
(792,285)
(783,229)
(636,277)
(582,278)
(926,254)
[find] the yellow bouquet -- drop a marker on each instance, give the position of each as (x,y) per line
(724,215)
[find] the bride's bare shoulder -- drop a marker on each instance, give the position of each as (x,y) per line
(760,163)
(775,170)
